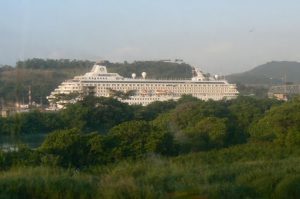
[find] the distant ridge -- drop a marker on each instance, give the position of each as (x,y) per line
(275,72)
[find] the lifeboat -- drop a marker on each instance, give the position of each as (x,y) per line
(144,92)
(161,92)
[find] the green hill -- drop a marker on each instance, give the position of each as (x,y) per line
(274,72)
(45,75)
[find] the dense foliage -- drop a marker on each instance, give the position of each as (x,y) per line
(244,171)
(281,125)
(100,147)
(36,63)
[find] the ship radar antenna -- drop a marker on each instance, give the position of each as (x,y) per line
(194,73)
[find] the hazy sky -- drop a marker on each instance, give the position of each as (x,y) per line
(220,36)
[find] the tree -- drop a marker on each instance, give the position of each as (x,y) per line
(278,123)
(247,110)
(120,94)
(152,110)
(137,138)
(69,146)
(210,132)
(96,114)
(29,123)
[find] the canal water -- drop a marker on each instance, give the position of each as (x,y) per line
(10,143)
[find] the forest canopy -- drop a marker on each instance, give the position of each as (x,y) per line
(243,148)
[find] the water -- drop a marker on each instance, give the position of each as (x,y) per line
(10,143)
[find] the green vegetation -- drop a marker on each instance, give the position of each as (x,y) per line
(154,69)
(280,124)
(245,171)
(102,148)
(258,91)
(41,182)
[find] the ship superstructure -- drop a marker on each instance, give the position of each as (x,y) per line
(140,90)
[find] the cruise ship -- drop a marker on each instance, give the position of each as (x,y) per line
(138,89)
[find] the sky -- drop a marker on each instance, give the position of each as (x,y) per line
(219,36)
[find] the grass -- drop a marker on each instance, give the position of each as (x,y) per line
(245,171)
(41,182)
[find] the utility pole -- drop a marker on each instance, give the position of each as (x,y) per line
(29,96)
(285,86)
(2,103)
(41,101)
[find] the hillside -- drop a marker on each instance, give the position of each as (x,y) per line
(45,75)
(270,73)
